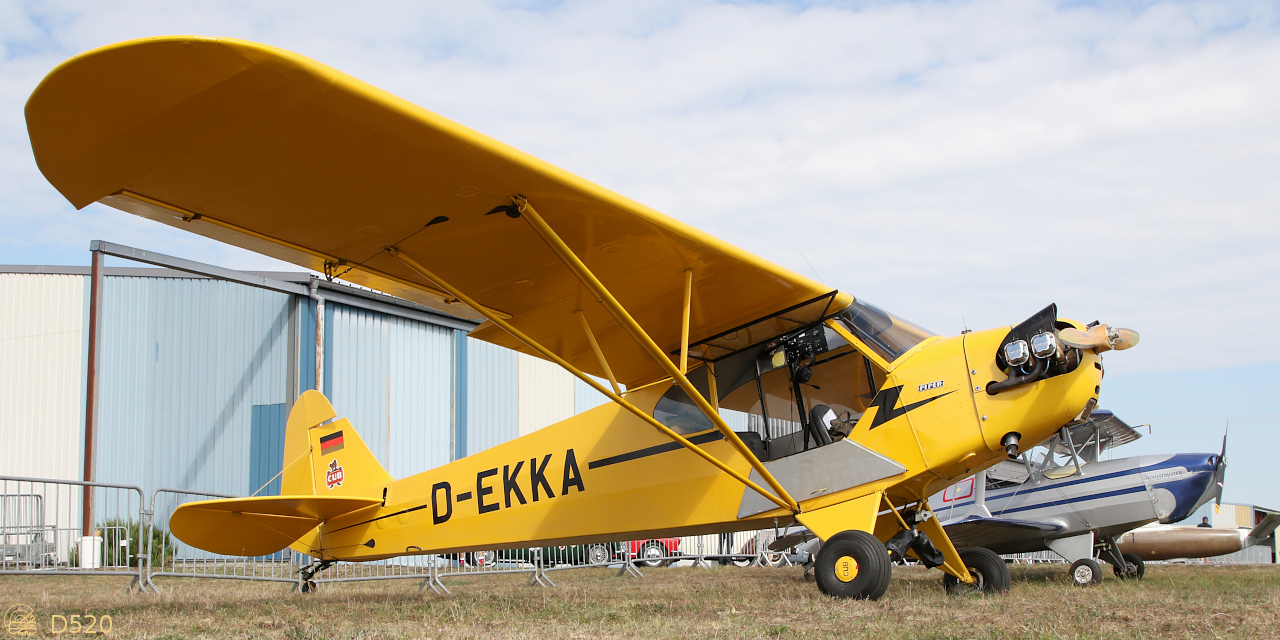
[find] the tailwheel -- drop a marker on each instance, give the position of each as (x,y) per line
(1085,572)
(1133,568)
(853,564)
(990,574)
(305,575)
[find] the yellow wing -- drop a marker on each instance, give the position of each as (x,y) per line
(274,152)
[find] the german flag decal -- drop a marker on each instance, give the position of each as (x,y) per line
(331,443)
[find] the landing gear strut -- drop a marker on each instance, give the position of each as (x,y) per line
(1127,566)
(1134,568)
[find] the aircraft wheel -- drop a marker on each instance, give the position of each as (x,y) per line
(990,573)
(1085,572)
(853,564)
(1134,567)
(308,586)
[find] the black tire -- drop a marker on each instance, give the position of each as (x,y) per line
(862,562)
(308,587)
(652,555)
(990,573)
(1134,568)
(1085,572)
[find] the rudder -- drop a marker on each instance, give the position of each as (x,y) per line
(306,468)
(323,456)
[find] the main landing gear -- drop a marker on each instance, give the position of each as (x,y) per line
(1134,568)
(853,564)
(1085,572)
(990,574)
(1127,566)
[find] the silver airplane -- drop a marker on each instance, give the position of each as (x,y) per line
(1071,502)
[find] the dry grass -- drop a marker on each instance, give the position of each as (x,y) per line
(1172,602)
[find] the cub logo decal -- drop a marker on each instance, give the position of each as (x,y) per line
(333,478)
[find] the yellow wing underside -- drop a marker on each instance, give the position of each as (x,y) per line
(274,152)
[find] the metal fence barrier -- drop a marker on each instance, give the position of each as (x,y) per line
(68,527)
(43,524)
(45,529)
(1034,557)
(166,556)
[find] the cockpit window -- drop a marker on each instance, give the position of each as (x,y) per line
(886,334)
(676,410)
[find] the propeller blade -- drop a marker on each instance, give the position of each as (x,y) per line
(1094,338)
(1122,338)
(1100,337)
(1220,470)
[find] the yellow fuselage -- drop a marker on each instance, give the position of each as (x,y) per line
(606,475)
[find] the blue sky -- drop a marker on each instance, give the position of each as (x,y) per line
(959,163)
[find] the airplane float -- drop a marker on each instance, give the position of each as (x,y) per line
(1172,542)
(1075,504)
(271,151)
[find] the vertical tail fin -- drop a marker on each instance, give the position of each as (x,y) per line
(323,456)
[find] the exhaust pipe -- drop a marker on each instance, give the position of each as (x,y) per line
(1010,443)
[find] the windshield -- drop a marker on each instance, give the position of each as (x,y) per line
(886,334)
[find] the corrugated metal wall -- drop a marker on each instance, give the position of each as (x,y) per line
(195,382)
(421,398)
(492,385)
(546,393)
(357,371)
(392,378)
(1230,516)
(585,398)
(184,361)
(42,344)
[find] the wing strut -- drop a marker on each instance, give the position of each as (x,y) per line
(595,346)
(548,354)
(641,337)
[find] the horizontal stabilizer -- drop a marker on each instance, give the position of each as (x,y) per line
(257,526)
(1264,529)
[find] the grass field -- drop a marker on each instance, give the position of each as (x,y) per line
(723,602)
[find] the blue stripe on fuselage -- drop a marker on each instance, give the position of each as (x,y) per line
(1057,485)
(1095,496)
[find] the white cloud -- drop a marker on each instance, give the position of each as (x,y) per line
(946,160)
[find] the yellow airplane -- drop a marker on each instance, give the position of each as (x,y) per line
(865,414)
